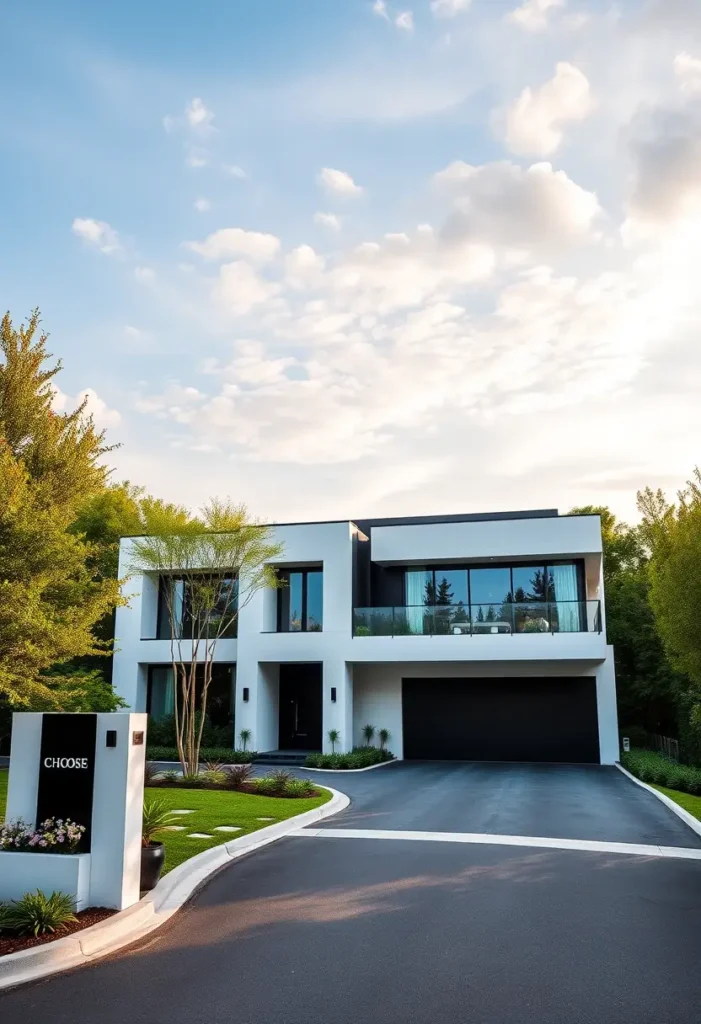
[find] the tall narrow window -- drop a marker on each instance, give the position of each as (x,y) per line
(301,601)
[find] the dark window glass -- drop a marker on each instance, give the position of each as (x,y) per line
(175,602)
(315,601)
(160,701)
(300,601)
(451,586)
(490,594)
(529,583)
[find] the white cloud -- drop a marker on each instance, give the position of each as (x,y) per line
(328,220)
(338,183)
(235,171)
(666,181)
(240,288)
(145,275)
(503,204)
(688,72)
(197,115)
(237,242)
(97,233)
(197,159)
(533,15)
(134,332)
(449,8)
(380,9)
(176,402)
(202,205)
(534,124)
(95,406)
(405,21)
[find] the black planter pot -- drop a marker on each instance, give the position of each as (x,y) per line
(152,860)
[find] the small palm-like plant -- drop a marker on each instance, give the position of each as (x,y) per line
(384,735)
(244,736)
(157,818)
(238,775)
(334,738)
(38,914)
(368,733)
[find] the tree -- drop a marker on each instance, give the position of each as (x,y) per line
(674,537)
(50,463)
(209,568)
(650,692)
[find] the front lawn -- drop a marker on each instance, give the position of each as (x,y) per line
(212,808)
(690,803)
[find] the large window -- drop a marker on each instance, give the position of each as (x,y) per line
(176,598)
(497,598)
(160,699)
(301,601)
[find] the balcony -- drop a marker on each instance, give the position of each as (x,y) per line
(536,617)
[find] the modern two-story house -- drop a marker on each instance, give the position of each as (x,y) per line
(475,637)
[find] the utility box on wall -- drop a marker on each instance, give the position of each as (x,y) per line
(85,767)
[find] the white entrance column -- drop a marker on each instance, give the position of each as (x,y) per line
(338,714)
(606,709)
(257,703)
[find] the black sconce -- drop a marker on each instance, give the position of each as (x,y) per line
(245,695)
(333,694)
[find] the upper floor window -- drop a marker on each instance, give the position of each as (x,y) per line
(300,601)
(197,606)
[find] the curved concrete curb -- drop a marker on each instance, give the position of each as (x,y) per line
(687,818)
(154,909)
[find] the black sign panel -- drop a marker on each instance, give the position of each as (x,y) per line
(67,770)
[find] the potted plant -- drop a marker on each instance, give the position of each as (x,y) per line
(157,818)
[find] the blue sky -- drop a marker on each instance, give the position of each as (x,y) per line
(343,257)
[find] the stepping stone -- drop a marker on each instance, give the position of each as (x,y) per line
(182,812)
(200,835)
(265,819)
(227,828)
(176,828)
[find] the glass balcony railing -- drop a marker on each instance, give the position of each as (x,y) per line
(479,619)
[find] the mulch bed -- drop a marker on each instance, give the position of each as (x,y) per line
(16,943)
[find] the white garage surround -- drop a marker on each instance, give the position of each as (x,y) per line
(377,693)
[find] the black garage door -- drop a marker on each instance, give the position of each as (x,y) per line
(501,719)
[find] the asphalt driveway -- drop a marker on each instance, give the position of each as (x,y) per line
(555,801)
(332,930)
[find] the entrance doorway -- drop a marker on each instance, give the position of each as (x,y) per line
(300,707)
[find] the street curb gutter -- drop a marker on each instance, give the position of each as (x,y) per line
(154,909)
(687,818)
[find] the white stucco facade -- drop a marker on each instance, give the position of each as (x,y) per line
(365,672)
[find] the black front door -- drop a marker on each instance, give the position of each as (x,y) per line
(300,707)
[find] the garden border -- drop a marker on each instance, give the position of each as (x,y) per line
(346,771)
(688,819)
(154,909)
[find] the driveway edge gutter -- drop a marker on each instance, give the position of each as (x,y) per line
(687,818)
(154,909)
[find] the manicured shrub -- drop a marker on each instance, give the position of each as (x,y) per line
(224,755)
(300,787)
(238,776)
(658,770)
(360,757)
(38,914)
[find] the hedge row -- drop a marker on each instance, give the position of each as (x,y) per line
(651,767)
(225,754)
(360,757)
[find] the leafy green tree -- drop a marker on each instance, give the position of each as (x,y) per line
(50,464)
(674,536)
(210,568)
(650,692)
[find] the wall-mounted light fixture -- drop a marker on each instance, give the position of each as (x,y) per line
(333,694)
(245,695)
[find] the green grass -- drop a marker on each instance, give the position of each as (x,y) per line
(212,807)
(217,807)
(690,803)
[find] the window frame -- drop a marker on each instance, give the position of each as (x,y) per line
(304,571)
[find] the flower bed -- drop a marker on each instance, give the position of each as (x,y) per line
(54,835)
(239,778)
(10,943)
